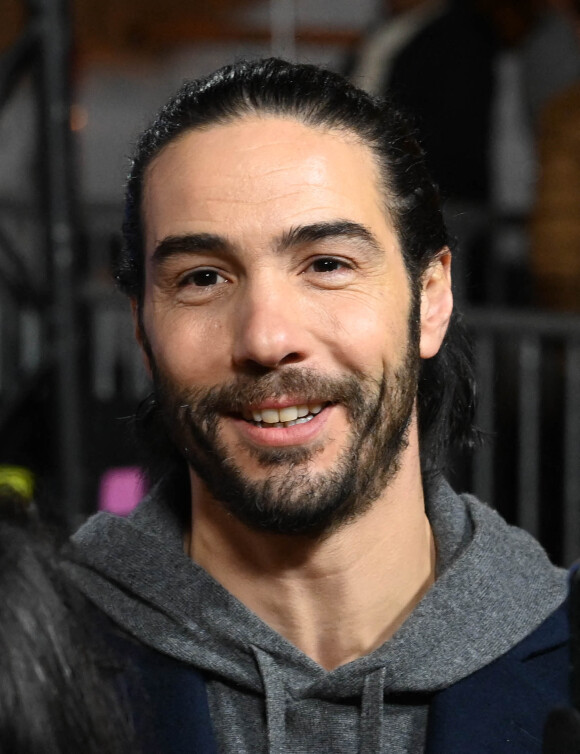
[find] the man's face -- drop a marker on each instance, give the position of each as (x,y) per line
(277,315)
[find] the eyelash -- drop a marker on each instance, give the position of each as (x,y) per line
(189,278)
(342,264)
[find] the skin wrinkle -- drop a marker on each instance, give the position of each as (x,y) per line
(384,193)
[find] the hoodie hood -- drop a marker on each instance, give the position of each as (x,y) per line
(494,586)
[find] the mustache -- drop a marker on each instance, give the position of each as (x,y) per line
(308,385)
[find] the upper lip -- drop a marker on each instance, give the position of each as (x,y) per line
(279,403)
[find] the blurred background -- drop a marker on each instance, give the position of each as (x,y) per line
(494,89)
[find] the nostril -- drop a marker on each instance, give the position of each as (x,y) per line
(291,358)
(261,364)
(253,368)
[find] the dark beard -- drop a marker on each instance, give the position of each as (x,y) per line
(293,499)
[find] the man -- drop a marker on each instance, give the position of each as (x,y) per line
(301,578)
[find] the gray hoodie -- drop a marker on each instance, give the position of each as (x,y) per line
(494,586)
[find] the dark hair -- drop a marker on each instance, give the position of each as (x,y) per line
(56,689)
(316,97)
(322,98)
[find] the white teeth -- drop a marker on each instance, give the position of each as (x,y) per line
(284,417)
(270,415)
(288,414)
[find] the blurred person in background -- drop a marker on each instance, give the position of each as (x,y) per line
(58,693)
(435,57)
(537,58)
(555,227)
(550,53)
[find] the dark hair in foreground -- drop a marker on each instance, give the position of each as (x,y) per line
(56,690)
(321,98)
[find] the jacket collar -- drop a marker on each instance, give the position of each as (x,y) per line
(503,707)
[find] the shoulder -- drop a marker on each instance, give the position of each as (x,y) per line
(503,706)
(168,698)
(496,582)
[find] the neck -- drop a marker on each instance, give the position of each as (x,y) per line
(335,598)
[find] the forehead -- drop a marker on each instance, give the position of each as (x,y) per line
(260,175)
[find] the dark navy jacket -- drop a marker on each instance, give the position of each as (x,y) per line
(499,709)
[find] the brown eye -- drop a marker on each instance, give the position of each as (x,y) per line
(203,278)
(327,264)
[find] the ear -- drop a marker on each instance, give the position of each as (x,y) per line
(140,336)
(436,304)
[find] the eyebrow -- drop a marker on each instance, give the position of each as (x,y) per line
(323,231)
(192,243)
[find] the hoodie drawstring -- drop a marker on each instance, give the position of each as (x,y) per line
(371,717)
(275,694)
(372,706)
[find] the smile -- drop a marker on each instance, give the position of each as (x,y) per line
(283,417)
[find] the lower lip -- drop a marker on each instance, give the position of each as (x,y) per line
(276,437)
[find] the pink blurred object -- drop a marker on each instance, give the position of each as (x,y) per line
(121,489)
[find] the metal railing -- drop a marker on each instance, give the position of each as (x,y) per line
(528,375)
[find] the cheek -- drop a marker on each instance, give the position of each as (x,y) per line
(189,348)
(369,334)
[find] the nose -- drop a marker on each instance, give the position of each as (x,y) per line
(270,331)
